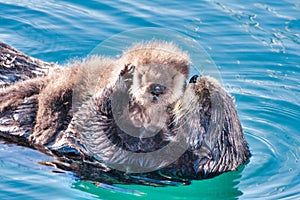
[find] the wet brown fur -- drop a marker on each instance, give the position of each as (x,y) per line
(55,94)
(218,145)
(85,77)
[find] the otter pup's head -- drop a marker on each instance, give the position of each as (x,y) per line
(156,85)
(161,69)
(158,80)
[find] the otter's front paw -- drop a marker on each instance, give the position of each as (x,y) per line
(128,68)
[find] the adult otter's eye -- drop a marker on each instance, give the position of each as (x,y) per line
(157,89)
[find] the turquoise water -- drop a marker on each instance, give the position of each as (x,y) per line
(254,44)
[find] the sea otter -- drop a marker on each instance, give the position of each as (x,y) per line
(133,115)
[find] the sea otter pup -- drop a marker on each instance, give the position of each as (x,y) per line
(136,114)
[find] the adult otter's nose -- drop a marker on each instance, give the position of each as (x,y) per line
(157,89)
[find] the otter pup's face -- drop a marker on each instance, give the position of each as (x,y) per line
(156,85)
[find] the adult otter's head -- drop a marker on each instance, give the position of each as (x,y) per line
(158,80)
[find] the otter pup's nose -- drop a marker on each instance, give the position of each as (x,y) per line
(157,89)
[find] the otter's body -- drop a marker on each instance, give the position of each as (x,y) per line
(116,113)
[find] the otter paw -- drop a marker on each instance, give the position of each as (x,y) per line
(127,69)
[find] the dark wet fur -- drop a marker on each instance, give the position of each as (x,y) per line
(23,121)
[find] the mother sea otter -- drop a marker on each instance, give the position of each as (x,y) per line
(113,119)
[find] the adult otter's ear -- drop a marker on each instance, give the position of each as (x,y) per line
(194,79)
(207,115)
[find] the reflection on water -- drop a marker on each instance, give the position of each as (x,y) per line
(25,178)
(22,177)
(256,47)
(222,187)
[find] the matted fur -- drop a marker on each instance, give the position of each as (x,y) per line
(158,52)
(72,109)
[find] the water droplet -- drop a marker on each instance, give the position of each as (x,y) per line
(281,189)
